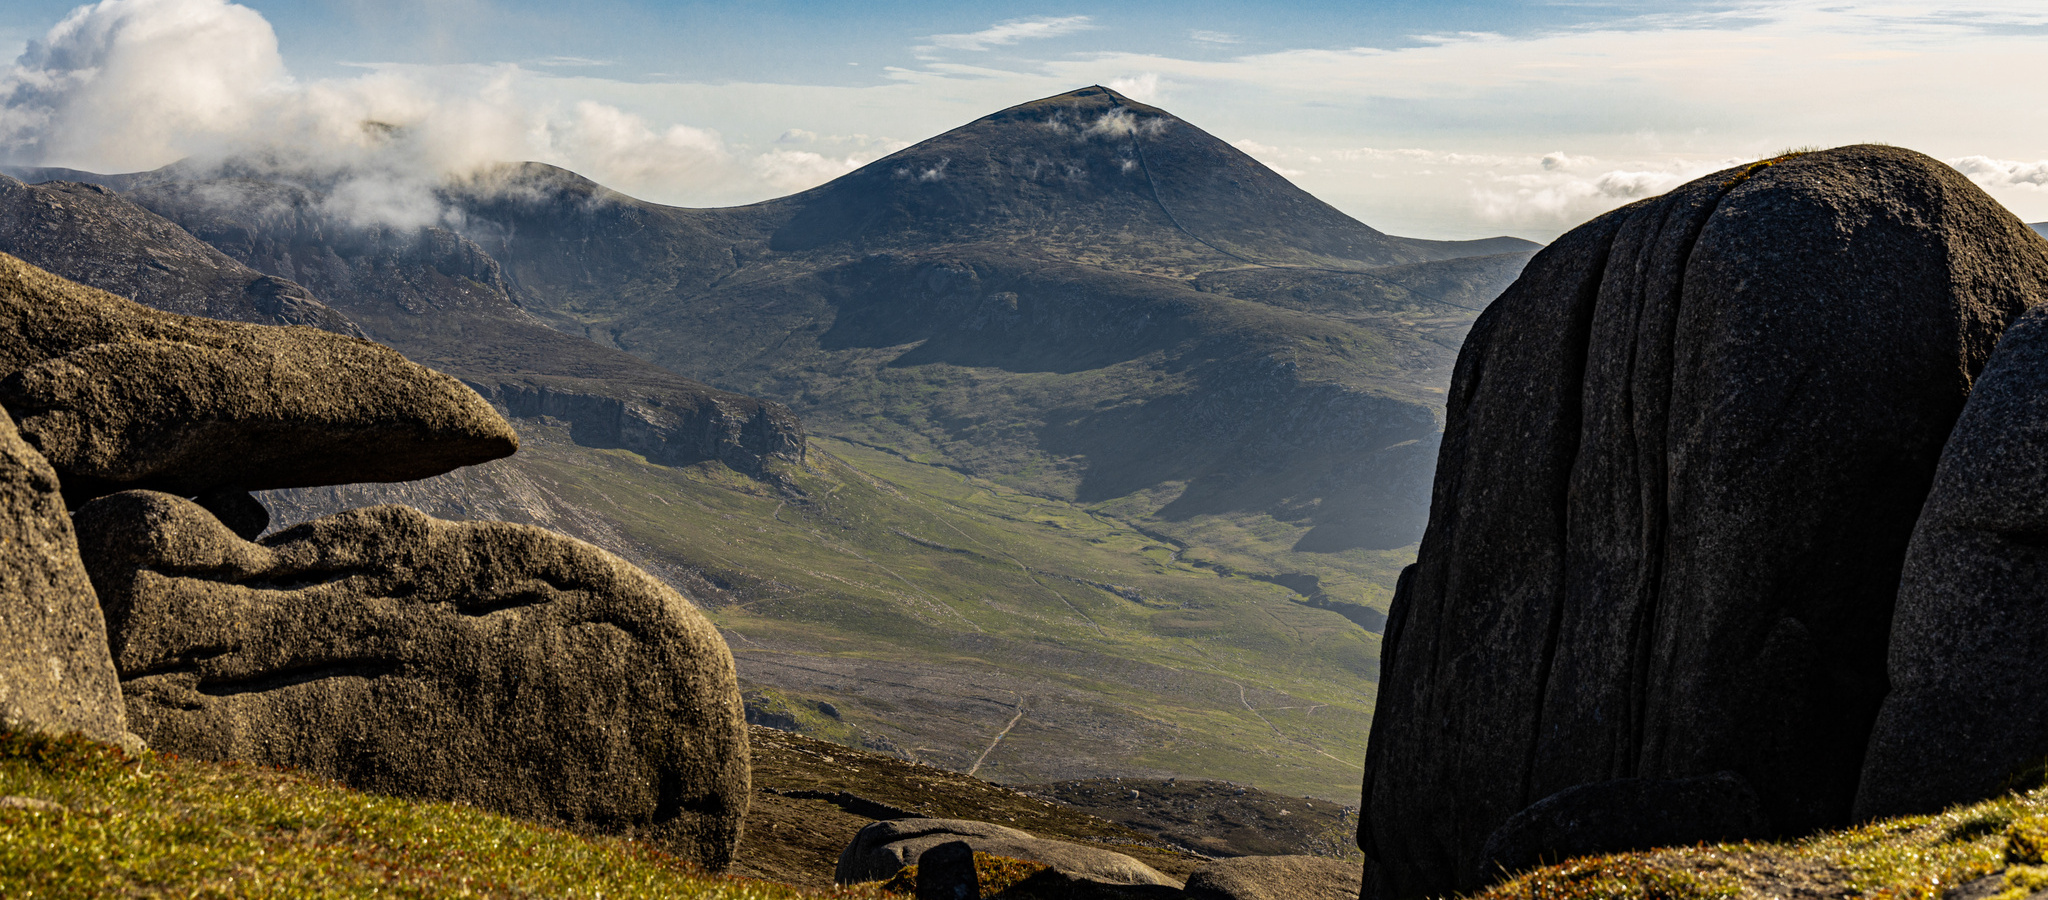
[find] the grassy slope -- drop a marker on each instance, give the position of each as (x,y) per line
(2000,841)
(931,609)
(85,821)
(80,820)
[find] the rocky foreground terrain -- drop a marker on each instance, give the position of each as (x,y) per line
(1734,537)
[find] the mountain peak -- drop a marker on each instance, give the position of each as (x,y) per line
(1086,173)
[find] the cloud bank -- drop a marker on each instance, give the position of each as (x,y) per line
(128,85)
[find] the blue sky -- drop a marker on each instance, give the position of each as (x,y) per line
(1449,119)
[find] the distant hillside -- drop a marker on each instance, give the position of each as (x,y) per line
(1082,296)
(1117,439)
(2040,228)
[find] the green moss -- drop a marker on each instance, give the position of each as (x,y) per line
(1910,858)
(1628,876)
(2026,841)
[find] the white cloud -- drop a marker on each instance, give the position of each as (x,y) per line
(2004,173)
(125,85)
(1551,196)
(127,80)
(1013,31)
(796,170)
(1214,37)
(1143,88)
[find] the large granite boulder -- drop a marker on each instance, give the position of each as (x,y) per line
(501,665)
(118,395)
(882,849)
(1683,456)
(1274,878)
(55,674)
(1969,643)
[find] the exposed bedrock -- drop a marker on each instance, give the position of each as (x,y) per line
(1683,457)
(501,665)
(1968,710)
(116,394)
(55,674)
(670,428)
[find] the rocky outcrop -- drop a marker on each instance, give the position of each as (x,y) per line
(117,395)
(884,848)
(495,664)
(1684,454)
(55,674)
(1969,642)
(1274,878)
(671,428)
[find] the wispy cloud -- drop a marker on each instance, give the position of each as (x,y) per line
(1014,30)
(571,62)
(1214,37)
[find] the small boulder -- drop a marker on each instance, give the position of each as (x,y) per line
(882,849)
(946,872)
(55,674)
(1274,878)
(118,395)
(1621,815)
(1969,639)
(496,664)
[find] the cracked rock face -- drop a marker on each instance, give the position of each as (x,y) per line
(117,395)
(1683,456)
(496,664)
(54,670)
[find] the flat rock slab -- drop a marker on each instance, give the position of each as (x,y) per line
(1968,708)
(1275,878)
(880,850)
(1682,460)
(117,395)
(501,665)
(55,674)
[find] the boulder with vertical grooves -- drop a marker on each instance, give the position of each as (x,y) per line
(1968,709)
(501,665)
(1683,457)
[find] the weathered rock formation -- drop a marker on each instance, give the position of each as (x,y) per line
(117,395)
(1969,643)
(54,670)
(496,664)
(884,848)
(671,427)
(1274,878)
(1684,454)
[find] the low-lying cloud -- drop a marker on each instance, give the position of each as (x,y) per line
(128,85)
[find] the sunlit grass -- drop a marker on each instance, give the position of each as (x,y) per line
(81,819)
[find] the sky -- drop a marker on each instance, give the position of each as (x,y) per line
(1456,119)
